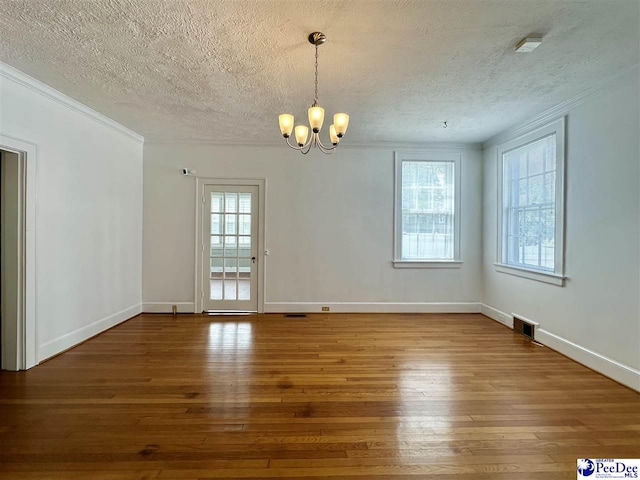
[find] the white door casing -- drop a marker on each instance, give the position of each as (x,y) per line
(230,252)
(24,341)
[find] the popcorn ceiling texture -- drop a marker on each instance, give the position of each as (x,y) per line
(221,71)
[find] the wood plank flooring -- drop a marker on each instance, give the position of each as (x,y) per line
(442,397)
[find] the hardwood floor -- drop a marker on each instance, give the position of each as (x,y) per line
(340,396)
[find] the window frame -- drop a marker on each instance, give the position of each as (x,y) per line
(427,156)
(556,277)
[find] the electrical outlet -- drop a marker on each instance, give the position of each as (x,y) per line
(325,309)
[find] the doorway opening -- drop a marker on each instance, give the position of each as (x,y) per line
(11,176)
(18,344)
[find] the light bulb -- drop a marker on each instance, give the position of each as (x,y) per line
(301,134)
(341,121)
(333,135)
(286,124)
(316,117)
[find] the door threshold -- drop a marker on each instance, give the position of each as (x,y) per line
(212,313)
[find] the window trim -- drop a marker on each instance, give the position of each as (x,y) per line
(540,276)
(556,277)
(426,156)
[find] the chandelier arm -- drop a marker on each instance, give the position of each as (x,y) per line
(296,147)
(326,148)
(292,146)
(304,152)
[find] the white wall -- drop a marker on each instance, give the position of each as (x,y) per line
(329,222)
(88,211)
(599,308)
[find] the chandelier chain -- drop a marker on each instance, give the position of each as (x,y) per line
(315,100)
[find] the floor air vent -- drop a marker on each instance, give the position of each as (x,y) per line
(524,328)
(295,315)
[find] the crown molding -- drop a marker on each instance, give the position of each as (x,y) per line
(449,146)
(37,86)
(555,112)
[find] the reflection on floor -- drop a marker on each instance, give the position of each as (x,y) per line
(243,289)
(325,397)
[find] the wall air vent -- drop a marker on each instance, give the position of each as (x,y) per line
(524,327)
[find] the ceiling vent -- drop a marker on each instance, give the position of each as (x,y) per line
(528,44)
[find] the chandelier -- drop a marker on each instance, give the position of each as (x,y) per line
(316,118)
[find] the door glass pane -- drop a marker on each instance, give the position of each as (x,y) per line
(217,199)
(216,289)
(244,265)
(244,289)
(231,202)
(230,267)
(245,203)
(230,224)
(244,246)
(216,279)
(216,224)
(244,279)
(230,277)
(244,225)
(230,246)
(230,292)
(216,246)
(216,267)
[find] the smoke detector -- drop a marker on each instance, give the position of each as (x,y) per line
(528,44)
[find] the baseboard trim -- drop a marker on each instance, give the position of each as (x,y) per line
(71,339)
(497,315)
(165,307)
(372,307)
(608,367)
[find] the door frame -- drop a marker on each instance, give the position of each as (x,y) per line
(201,183)
(26,341)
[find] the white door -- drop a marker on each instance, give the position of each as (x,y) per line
(230,240)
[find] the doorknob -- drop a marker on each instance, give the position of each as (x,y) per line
(253,259)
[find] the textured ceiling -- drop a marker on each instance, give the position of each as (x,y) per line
(222,70)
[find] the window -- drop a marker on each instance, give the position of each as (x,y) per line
(426,210)
(530,237)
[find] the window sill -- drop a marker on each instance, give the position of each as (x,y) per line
(427,264)
(544,277)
